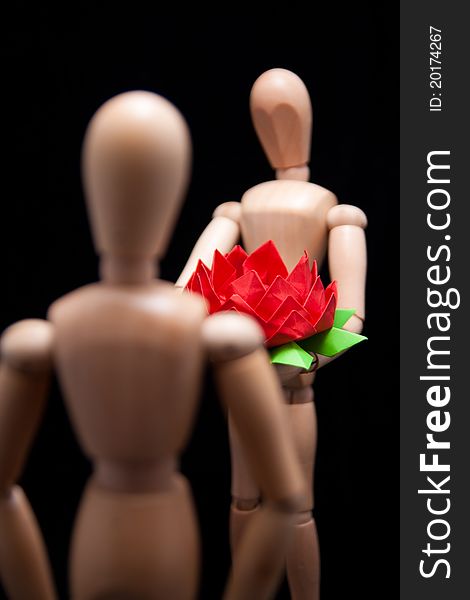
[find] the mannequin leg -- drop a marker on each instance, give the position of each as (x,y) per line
(135,545)
(259,535)
(303,558)
(245,493)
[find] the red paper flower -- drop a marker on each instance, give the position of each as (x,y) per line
(288,306)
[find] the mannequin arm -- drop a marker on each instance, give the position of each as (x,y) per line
(24,381)
(347,257)
(251,391)
(222,234)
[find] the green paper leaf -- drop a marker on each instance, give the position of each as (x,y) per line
(291,354)
(331,342)
(342,316)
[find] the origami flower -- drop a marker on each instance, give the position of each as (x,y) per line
(289,306)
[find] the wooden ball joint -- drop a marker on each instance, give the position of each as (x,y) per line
(297,216)
(115,345)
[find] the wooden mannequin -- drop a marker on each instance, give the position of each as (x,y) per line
(297,216)
(129,353)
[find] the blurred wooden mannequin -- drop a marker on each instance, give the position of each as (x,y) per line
(297,216)
(129,353)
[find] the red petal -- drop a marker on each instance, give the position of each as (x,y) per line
(327,317)
(314,271)
(236,257)
(222,272)
(284,310)
(237,303)
(249,287)
(267,262)
(189,285)
(202,268)
(295,327)
(196,284)
(300,277)
(315,300)
(208,292)
(277,292)
(331,290)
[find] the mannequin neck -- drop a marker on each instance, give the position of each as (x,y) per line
(301,173)
(128,270)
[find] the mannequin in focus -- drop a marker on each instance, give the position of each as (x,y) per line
(297,216)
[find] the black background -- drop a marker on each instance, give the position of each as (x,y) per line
(55,79)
